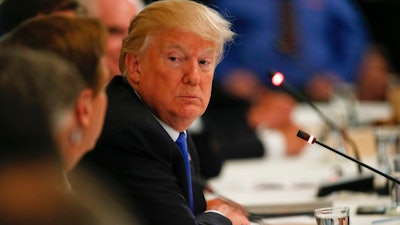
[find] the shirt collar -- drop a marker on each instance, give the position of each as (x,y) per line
(171,132)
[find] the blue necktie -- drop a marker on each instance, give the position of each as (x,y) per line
(181,142)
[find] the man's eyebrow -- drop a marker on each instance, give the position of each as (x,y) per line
(174,45)
(210,50)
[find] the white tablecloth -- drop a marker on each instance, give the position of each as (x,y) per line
(275,184)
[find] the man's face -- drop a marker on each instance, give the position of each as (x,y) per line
(116,17)
(174,76)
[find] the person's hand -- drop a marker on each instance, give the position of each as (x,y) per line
(294,145)
(243,85)
(233,211)
(272,109)
(374,76)
(321,88)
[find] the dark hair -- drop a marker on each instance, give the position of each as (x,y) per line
(14,12)
(80,40)
(29,83)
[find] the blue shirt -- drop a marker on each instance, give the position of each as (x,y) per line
(331,37)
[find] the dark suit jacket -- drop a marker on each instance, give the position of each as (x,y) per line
(135,150)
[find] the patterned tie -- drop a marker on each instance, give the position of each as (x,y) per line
(181,142)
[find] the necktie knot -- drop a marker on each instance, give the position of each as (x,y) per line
(181,141)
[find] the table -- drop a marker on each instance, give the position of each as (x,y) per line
(279,184)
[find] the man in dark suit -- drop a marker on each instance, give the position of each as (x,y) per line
(168,61)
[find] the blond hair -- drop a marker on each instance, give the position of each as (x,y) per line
(185,15)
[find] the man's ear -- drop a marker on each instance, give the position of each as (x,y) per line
(132,64)
(84,107)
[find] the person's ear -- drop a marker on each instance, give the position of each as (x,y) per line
(133,70)
(84,107)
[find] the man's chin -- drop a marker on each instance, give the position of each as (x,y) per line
(191,112)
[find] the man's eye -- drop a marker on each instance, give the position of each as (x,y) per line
(173,59)
(204,62)
(115,31)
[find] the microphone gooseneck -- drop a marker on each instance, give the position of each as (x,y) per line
(312,139)
(278,80)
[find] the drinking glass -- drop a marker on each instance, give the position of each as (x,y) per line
(387,145)
(332,216)
(394,188)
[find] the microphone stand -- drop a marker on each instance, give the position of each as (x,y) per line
(300,97)
(311,139)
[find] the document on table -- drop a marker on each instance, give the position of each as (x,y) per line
(270,187)
(387,221)
(291,220)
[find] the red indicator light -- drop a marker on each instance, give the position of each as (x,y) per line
(277,79)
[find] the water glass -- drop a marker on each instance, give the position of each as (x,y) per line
(387,145)
(394,188)
(332,216)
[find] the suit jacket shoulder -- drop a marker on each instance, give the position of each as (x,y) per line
(137,152)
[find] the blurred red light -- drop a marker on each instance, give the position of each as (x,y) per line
(277,79)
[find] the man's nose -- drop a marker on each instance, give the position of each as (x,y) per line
(191,73)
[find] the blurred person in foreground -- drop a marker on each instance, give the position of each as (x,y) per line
(14,12)
(115,15)
(31,174)
(167,61)
(81,41)
(32,177)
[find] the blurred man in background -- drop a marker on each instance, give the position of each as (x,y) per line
(115,15)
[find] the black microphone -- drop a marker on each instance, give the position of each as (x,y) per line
(278,80)
(312,139)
